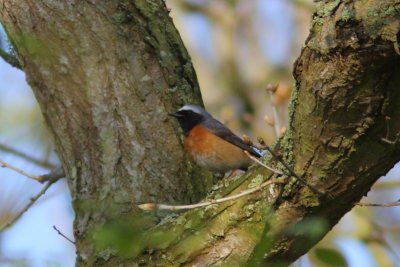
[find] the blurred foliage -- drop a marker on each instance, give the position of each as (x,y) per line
(311,228)
(329,257)
(238,47)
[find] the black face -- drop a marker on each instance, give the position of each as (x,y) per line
(187,119)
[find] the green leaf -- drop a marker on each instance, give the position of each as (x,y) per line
(330,257)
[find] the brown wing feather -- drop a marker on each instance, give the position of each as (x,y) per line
(223,132)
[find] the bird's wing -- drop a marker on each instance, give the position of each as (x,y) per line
(223,132)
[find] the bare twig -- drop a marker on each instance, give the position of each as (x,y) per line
(9,166)
(291,171)
(386,139)
(262,164)
(387,119)
(271,89)
(53,175)
(154,206)
(61,234)
(384,205)
(388,184)
(26,157)
(50,178)
(390,142)
(30,204)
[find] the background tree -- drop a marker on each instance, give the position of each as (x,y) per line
(129,69)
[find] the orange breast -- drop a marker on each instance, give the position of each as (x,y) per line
(212,152)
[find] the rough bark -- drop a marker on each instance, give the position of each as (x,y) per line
(105,74)
(104,86)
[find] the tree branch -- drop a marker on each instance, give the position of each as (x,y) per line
(385,205)
(30,204)
(263,164)
(55,174)
(271,90)
(154,206)
(292,173)
(61,234)
(26,157)
(388,184)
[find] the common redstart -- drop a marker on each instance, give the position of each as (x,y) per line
(209,143)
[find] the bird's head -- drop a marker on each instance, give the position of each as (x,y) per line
(189,116)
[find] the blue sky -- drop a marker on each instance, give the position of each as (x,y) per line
(33,236)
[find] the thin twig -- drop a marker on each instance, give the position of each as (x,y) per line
(390,142)
(387,119)
(26,157)
(153,206)
(61,234)
(53,175)
(387,184)
(262,164)
(291,171)
(384,205)
(271,90)
(30,204)
(50,178)
(386,138)
(9,166)
(277,124)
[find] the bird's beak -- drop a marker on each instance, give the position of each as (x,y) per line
(175,114)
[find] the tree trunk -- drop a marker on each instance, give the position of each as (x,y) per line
(106,73)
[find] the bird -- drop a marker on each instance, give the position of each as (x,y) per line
(209,143)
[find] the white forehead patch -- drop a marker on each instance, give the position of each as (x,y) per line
(196,109)
(193,108)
